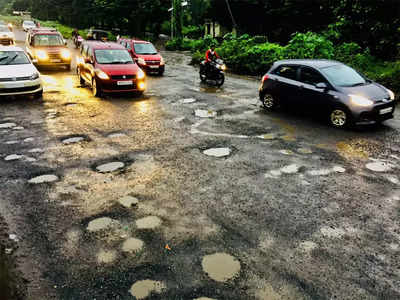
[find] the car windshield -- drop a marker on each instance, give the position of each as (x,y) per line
(144,48)
(342,75)
(30,23)
(113,57)
(13,58)
(4,28)
(48,40)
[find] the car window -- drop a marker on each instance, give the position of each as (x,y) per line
(342,75)
(289,72)
(4,28)
(113,57)
(48,40)
(128,46)
(311,76)
(144,48)
(13,58)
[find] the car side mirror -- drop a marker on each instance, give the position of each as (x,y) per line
(321,85)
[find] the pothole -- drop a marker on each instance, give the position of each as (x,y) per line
(150,222)
(13,157)
(217,152)
(18,128)
(116,135)
(27,140)
(378,166)
(11,142)
(286,152)
(290,169)
(268,136)
(188,100)
(106,257)
(73,140)
(132,245)
(110,167)
(338,169)
(304,151)
(220,266)
(7,125)
(205,113)
(36,122)
(99,224)
(44,178)
(128,201)
(36,150)
(143,288)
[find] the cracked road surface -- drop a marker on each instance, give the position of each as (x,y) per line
(194,192)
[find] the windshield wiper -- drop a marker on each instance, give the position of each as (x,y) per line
(358,84)
(3,58)
(12,59)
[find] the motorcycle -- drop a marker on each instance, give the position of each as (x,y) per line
(214,71)
(78,41)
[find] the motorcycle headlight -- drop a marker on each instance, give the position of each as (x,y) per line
(360,100)
(223,67)
(34,76)
(141,61)
(391,94)
(162,62)
(65,54)
(102,75)
(41,54)
(140,74)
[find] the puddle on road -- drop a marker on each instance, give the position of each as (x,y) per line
(217,152)
(106,257)
(378,166)
(289,129)
(99,224)
(7,125)
(11,142)
(268,136)
(36,150)
(286,152)
(36,122)
(73,140)
(332,232)
(290,169)
(352,150)
(304,151)
(144,288)
(44,179)
(132,245)
(325,172)
(220,266)
(116,135)
(13,157)
(128,201)
(150,222)
(188,100)
(27,140)
(110,167)
(307,246)
(205,113)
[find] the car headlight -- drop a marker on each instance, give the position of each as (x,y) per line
(102,75)
(162,61)
(41,54)
(65,54)
(140,74)
(391,94)
(34,76)
(141,61)
(360,100)
(141,85)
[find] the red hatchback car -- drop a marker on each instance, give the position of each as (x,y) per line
(145,54)
(108,67)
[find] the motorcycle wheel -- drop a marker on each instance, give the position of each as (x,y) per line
(220,80)
(203,76)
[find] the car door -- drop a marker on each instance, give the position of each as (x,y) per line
(83,67)
(312,97)
(90,65)
(286,84)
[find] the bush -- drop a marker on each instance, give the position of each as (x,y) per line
(193,32)
(309,45)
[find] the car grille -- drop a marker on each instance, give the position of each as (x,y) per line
(15,79)
(125,87)
(122,77)
(54,55)
(18,90)
(152,62)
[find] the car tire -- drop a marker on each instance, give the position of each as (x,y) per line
(268,101)
(96,90)
(38,95)
(160,73)
(68,67)
(339,117)
(81,80)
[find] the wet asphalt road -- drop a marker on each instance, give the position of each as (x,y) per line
(303,211)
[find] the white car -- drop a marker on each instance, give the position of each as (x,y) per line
(6,35)
(27,24)
(18,76)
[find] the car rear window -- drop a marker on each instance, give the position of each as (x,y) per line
(289,72)
(13,58)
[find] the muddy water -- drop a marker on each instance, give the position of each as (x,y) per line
(142,289)
(132,245)
(150,222)
(221,266)
(99,224)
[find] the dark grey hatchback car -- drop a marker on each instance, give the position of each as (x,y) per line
(329,87)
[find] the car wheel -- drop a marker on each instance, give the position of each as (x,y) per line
(339,117)
(268,101)
(81,80)
(95,89)
(38,95)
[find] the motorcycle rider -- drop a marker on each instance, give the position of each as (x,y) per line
(75,35)
(211,55)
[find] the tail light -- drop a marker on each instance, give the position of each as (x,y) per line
(265,78)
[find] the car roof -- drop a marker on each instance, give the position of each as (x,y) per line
(104,45)
(10,48)
(135,41)
(315,63)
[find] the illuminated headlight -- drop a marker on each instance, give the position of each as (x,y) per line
(222,67)
(141,61)
(41,54)
(162,62)
(360,100)
(65,54)
(102,75)
(34,76)
(10,25)
(391,94)
(140,74)
(141,85)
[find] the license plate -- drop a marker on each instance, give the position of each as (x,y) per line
(153,67)
(124,83)
(385,110)
(55,60)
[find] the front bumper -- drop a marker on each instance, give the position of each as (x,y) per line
(51,62)
(153,68)
(10,88)
(112,86)
(379,113)
(6,41)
